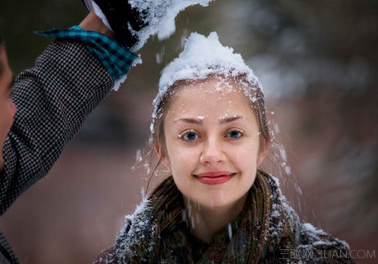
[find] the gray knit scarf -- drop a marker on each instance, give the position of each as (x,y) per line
(266,231)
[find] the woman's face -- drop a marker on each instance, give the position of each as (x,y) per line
(212,143)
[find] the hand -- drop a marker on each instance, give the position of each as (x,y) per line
(134,21)
(93,23)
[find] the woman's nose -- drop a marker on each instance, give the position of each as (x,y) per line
(212,153)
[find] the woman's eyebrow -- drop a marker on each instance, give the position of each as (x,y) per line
(198,121)
(195,121)
(226,120)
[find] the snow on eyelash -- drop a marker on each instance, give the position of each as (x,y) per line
(181,135)
(235,130)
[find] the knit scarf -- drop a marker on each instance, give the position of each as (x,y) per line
(158,230)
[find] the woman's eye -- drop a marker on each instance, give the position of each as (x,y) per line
(190,136)
(234,134)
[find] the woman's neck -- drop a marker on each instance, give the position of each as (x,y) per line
(205,223)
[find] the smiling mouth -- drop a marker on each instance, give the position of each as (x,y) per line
(215,177)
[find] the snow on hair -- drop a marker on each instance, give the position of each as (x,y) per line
(202,57)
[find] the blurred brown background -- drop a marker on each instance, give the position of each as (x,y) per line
(317,61)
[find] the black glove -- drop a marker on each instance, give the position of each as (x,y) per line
(122,19)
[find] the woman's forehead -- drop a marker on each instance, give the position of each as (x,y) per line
(213,85)
(210,97)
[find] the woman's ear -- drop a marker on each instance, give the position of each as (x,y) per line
(262,155)
(163,158)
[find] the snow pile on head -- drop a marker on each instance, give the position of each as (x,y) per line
(160,16)
(203,56)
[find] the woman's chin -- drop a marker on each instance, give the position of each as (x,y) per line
(214,201)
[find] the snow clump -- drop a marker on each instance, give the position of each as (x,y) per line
(204,56)
(160,16)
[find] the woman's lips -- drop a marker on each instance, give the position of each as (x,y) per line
(214,177)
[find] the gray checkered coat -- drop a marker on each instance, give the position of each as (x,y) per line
(53,99)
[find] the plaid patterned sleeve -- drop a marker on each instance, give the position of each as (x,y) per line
(70,78)
(116,59)
(7,255)
(53,98)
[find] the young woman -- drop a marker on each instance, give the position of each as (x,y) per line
(210,131)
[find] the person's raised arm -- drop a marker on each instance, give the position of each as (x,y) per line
(69,79)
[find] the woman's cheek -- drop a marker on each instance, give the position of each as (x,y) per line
(184,160)
(246,153)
